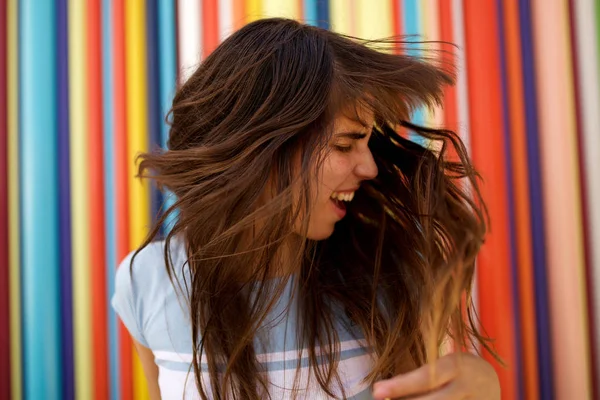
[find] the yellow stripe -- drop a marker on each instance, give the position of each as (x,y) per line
(79,200)
(341,17)
(253,10)
(14,233)
(430,32)
(374,19)
(137,142)
(281,8)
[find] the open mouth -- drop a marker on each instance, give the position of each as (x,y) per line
(339,204)
(340,201)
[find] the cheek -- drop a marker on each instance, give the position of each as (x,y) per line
(336,170)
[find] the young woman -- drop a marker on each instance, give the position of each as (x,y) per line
(318,253)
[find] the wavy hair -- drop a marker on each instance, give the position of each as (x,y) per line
(400,263)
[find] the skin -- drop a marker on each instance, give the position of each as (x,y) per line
(456,376)
(150,369)
(347,164)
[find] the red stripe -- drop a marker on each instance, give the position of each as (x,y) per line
(210,26)
(97,262)
(4,279)
(397,17)
(122,203)
(488,149)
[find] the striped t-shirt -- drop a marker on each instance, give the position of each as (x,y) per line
(155,313)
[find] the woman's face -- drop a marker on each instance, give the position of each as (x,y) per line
(347,163)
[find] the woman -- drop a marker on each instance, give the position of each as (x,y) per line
(317,253)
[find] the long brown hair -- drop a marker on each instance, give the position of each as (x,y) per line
(400,264)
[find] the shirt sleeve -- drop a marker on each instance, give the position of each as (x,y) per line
(126,301)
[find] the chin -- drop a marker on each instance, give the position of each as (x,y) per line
(322,233)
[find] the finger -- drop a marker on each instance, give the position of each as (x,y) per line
(418,382)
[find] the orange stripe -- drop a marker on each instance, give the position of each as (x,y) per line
(210,26)
(488,148)
(396,18)
(239,13)
(97,262)
(122,204)
(521,199)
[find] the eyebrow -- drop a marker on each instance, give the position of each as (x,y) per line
(352,135)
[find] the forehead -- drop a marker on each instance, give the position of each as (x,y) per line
(356,117)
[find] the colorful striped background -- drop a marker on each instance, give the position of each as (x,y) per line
(85,85)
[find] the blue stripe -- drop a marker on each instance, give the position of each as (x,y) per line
(323,14)
(411,24)
(288,364)
(167,79)
(152,81)
(64,189)
(310,12)
(110,193)
(42,355)
(536,205)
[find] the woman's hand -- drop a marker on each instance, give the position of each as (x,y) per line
(455,377)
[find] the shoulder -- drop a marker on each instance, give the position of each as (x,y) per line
(142,284)
(147,269)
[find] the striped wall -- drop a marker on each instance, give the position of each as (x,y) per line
(85,85)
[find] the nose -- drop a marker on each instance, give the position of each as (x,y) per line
(366,168)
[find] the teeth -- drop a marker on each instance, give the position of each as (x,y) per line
(342,196)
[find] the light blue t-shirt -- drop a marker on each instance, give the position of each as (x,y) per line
(156,314)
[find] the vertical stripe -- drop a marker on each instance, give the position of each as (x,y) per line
(281,8)
(188,15)
(226,19)
(210,26)
(374,19)
(508,159)
(310,15)
(121,182)
(588,88)
(253,10)
(80,199)
(152,85)
(168,76)
(110,193)
(95,185)
(239,13)
(412,28)
(14,229)
(448,57)
(562,202)
(488,153)
(397,18)
(41,270)
(324,14)
(432,32)
(462,105)
(462,101)
(137,128)
(64,188)
(341,16)
(522,232)
(537,205)
(4,279)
